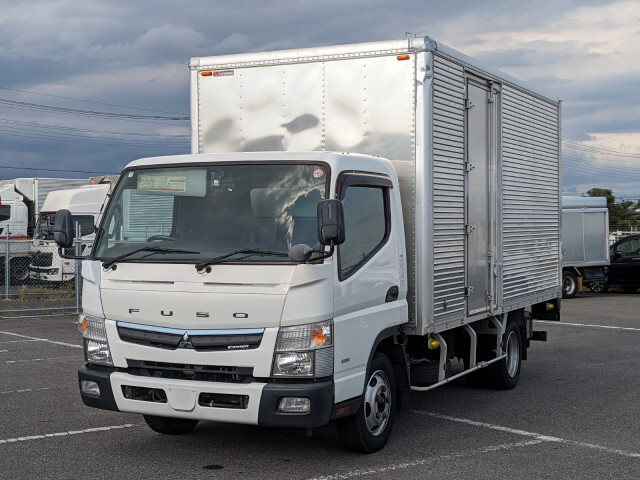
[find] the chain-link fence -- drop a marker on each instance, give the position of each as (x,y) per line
(34,280)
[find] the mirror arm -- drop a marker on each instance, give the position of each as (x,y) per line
(70,257)
(324,255)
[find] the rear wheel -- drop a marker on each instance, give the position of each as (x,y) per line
(369,429)
(504,374)
(599,286)
(170,426)
(569,284)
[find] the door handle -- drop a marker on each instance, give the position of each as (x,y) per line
(392,294)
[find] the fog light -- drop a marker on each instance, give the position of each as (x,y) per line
(294,405)
(90,388)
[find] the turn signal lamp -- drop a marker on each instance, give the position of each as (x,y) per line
(403,57)
(82,324)
(318,337)
(206,74)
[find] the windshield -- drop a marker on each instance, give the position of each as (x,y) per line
(46,221)
(201,212)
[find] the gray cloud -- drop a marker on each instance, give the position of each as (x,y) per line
(135,54)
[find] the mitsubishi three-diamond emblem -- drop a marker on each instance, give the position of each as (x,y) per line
(186,341)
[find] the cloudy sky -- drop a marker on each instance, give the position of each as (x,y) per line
(88,85)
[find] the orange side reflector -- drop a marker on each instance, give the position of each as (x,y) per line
(342,410)
(206,74)
(403,57)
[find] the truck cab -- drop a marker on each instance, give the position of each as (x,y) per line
(194,308)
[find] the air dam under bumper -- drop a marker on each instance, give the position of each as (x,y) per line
(252,403)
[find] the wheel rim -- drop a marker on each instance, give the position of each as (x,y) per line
(513,354)
(377,403)
(597,286)
(569,285)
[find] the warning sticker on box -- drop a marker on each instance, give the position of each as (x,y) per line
(161,183)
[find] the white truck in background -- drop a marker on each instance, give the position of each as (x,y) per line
(585,243)
(274,278)
(20,202)
(85,204)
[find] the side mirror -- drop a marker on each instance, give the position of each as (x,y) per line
(330,222)
(63,232)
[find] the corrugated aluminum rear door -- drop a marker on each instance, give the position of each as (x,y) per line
(481,197)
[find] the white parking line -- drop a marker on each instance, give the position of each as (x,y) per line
(18,341)
(63,434)
(606,327)
(537,436)
(37,360)
(42,340)
(424,461)
(29,390)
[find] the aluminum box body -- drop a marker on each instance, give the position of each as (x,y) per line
(477,155)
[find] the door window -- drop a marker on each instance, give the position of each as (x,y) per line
(628,247)
(366,226)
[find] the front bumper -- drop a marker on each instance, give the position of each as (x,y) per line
(252,403)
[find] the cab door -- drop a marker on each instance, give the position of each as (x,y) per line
(368,295)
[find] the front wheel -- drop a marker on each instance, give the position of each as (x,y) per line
(369,429)
(19,270)
(504,374)
(170,426)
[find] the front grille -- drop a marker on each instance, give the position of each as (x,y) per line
(199,340)
(180,371)
(42,259)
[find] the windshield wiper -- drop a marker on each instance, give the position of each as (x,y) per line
(248,251)
(156,248)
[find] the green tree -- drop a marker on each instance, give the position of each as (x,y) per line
(621,215)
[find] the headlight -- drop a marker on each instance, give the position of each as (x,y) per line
(96,345)
(304,351)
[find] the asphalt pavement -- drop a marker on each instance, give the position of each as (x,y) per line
(574,415)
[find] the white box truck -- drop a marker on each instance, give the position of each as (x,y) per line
(352,219)
(20,202)
(85,204)
(585,243)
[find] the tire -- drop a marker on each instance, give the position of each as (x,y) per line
(504,375)
(170,426)
(629,289)
(368,430)
(599,286)
(569,284)
(19,271)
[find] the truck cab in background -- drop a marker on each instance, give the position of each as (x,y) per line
(20,202)
(85,204)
